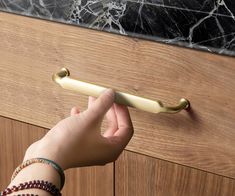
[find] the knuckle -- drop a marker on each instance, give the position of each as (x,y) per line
(102,164)
(115,156)
(115,159)
(132,131)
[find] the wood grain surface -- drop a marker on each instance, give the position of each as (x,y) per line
(16,136)
(203,137)
(140,175)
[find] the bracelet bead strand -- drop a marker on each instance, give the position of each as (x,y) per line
(44,161)
(35,184)
(28,194)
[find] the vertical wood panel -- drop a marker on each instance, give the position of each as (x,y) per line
(16,136)
(92,181)
(139,175)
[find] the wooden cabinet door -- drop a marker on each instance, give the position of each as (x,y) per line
(140,175)
(16,136)
(203,137)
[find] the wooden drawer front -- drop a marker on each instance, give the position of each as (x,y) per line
(204,137)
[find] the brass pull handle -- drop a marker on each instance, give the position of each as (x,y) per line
(63,79)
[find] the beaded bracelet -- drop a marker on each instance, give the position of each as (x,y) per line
(26,194)
(44,161)
(36,184)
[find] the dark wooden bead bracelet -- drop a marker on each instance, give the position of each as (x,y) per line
(35,184)
(44,161)
(26,194)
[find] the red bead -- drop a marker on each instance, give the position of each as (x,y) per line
(22,187)
(15,189)
(8,190)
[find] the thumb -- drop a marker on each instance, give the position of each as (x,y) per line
(102,104)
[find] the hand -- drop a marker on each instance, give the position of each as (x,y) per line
(76,141)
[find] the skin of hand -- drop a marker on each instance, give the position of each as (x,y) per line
(76,141)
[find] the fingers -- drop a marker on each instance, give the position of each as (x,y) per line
(116,143)
(112,122)
(125,127)
(91,101)
(120,138)
(101,105)
(110,116)
(74,111)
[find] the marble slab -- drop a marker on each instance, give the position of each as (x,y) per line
(201,24)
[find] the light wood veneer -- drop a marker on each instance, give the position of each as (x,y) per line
(204,137)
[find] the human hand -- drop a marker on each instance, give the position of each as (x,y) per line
(76,141)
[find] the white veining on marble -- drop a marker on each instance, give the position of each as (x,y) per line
(211,14)
(204,24)
(107,13)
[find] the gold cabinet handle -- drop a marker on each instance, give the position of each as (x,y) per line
(63,79)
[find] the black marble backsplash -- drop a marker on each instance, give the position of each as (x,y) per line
(203,24)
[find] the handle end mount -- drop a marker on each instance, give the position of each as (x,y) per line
(64,72)
(185,103)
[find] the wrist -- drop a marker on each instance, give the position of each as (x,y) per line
(43,149)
